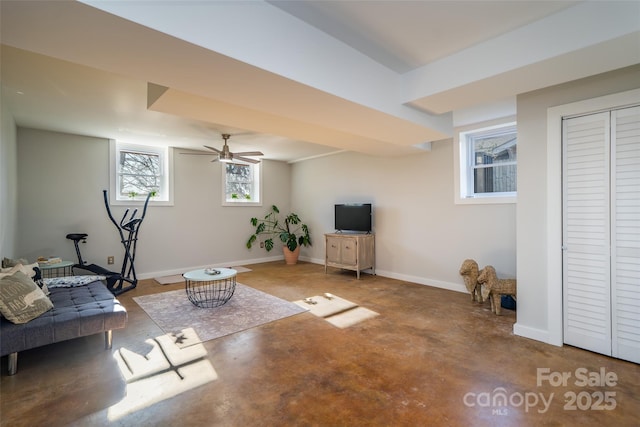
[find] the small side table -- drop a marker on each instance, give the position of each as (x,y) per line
(59,269)
(210,290)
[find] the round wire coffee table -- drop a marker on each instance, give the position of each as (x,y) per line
(210,287)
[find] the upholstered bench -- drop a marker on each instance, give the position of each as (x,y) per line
(77,312)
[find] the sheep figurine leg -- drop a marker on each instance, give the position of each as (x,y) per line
(469,273)
(494,288)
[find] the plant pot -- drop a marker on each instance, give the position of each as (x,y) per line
(291,257)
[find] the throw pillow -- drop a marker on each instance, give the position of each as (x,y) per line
(8,262)
(28,269)
(21,300)
(10,271)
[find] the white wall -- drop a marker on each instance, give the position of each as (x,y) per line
(8,185)
(61,178)
(421,235)
(534,217)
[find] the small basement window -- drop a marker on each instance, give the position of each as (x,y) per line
(241,184)
(487,164)
(137,171)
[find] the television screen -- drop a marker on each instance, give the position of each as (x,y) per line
(353,217)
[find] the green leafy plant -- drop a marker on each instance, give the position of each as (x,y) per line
(291,231)
(235,196)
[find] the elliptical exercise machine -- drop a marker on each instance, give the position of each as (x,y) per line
(126,279)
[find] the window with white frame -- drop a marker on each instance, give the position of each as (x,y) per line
(241,184)
(137,171)
(487,159)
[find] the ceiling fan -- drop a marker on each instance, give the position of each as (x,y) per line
(227,156)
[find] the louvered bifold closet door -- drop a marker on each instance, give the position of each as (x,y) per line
(586,232)
(625,232)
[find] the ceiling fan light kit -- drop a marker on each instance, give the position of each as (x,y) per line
(226,156)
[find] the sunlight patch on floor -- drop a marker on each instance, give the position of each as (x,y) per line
(335,310)
(164,372)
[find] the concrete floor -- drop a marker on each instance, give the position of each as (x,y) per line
(432,357)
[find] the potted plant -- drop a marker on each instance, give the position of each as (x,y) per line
(291,231)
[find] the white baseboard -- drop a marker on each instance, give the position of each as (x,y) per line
(181,270)
(457,287)
(405,277)
(534,334)
(312,260)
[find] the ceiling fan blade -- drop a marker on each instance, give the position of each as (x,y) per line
(249,153)
(245,159)
(214,160)
(214,149)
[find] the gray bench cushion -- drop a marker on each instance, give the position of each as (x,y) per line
(77,312)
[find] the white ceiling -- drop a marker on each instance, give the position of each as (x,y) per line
(297,79)
(404,35)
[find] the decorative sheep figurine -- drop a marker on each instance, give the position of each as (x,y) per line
(494,288)
(469,272)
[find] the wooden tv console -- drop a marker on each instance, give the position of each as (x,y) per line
(350,252)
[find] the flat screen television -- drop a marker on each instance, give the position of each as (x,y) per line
(353,217)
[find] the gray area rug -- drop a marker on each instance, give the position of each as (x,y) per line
(176,316)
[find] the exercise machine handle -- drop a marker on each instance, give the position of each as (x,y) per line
(122,225)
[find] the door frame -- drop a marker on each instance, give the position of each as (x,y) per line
(554,198)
